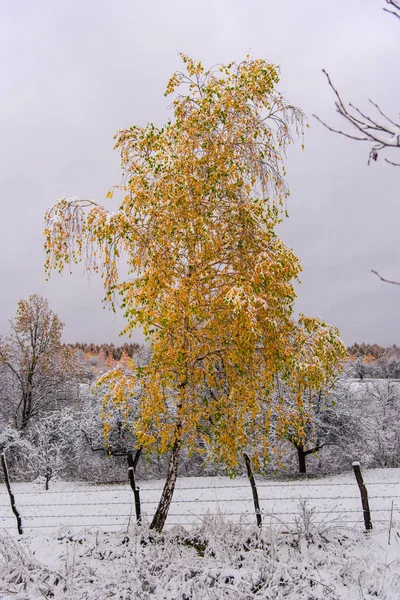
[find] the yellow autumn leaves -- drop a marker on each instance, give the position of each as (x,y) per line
(210,283)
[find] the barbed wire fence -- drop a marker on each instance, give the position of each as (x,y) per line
(112,507)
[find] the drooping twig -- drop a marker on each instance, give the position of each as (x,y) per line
(383,279)
(392,163)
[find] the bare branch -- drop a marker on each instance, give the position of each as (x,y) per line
(396,6)
(392,163)
(352,137)
(385,280)
(383,135)
(316,449)
(383,114)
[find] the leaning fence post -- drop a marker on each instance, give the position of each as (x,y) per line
(364,496)
(253,488)
(391,522)
(12,499)
(135,489)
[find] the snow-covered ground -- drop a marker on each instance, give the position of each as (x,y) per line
(80,541)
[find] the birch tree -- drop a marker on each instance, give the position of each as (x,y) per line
(210,283)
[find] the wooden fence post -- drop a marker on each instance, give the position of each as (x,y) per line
(135,489)
(364,496)
(12,499)
(253,488)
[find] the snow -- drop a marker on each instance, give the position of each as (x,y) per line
(81,542)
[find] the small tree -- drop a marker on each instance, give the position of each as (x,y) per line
(35,359)
(381,402)
(316,361)
(330,421)
(210,282)
(53,438)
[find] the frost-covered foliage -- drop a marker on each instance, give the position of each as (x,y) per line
(357,420)
(214,561)
(18,451)
(47,449)
(378,402)
(330,418)
(372,361)
(53,439)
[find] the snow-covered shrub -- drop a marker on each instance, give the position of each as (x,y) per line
(53,439)
(215,560)
(18,450)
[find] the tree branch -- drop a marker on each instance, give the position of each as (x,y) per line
(315,449)
(383,135)
(396,6)
(392,163)
(90,443)
(383,279)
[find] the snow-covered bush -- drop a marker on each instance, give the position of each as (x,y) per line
(215,560)
(18,450)
(53,439)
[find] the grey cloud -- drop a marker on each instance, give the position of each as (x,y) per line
(74,72)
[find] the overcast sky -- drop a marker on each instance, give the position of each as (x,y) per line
(73,72)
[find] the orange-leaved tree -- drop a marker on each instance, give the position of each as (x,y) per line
(211,284)
(36,360)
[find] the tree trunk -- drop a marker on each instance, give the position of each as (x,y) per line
(28,397)
(19,416)
(24,410)
(48,476)
(302,459)
(161,513)
(27,409)
(253,488)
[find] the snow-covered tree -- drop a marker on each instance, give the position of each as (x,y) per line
(54,438)
(380,399)
(38,364)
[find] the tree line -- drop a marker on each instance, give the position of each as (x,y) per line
(107,350)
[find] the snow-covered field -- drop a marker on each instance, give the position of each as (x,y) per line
(110,506)
(80,541)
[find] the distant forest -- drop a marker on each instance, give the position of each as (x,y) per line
(355,351)
(108,350)
(363,360)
